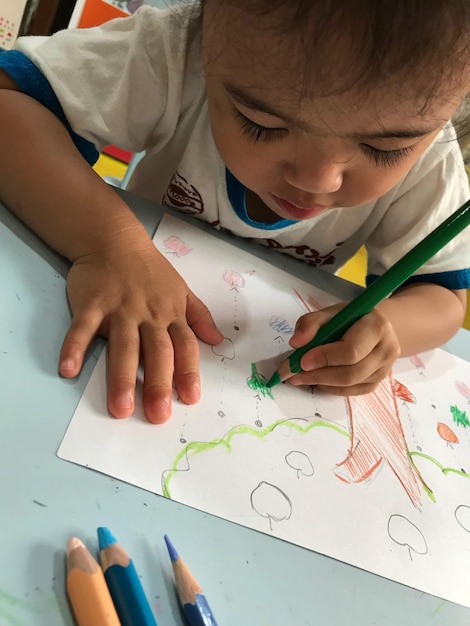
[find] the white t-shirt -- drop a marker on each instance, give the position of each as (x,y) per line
(138,83)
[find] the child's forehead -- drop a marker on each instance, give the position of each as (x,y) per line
(277,83)
(264,51)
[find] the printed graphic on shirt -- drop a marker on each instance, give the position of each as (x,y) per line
(310,255)
(183,196)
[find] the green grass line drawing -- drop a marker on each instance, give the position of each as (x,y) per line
(198,447)
(444,470)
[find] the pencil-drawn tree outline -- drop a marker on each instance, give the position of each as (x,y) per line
(300,463)
(271,502)
(462,515)
(406,534)
(225,349)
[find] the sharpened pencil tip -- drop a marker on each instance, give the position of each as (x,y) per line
(74,542)
(274,380)
(105,538)
(171,549)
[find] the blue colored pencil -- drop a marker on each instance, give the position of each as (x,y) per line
(192,599)
(123,581)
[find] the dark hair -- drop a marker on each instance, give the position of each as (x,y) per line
(380,40)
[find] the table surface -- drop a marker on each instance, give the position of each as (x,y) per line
(250,578)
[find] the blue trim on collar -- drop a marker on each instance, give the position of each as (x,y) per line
(32,82)
(236,194)
(456,279)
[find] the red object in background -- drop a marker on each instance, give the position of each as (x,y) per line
(117,153)
(97,12)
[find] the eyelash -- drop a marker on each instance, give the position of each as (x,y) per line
(255,132)
(385,158)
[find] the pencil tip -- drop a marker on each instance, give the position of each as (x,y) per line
(105,538)
(171,549)
(274,380)
(72,543)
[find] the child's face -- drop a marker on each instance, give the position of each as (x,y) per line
(300,153)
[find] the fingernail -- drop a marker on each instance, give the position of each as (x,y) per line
(161,411)
(194,393)
(124,401)
(67,365)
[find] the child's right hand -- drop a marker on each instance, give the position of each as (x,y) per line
(138,301)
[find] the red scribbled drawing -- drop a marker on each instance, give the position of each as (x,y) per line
(311,304)
(377,437)
(403,392)
(446,433)
(234,280)
(463,389)
(176,246)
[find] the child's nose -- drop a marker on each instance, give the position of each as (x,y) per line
(315,174)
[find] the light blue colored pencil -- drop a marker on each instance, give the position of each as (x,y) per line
(123,582)
(192,599)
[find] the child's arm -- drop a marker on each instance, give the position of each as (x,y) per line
(417,317)
(119,285)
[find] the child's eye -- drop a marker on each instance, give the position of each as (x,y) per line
(255,132)
(385,158)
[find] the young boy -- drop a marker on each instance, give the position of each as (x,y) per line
(312,127)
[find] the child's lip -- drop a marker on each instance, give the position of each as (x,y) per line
(298,210)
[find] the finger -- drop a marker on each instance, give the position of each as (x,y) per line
(201,321)
(343,377)
(158,360)
(187,380)
(82,330)
(364,338)
(123,361)
(355,390)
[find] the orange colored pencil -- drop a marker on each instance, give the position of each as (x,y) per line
(87,589)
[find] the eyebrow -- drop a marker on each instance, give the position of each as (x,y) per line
(255,104)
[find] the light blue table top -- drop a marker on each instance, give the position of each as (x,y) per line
(251,579)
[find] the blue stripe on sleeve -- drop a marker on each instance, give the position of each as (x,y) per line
(457,279)
(32,82)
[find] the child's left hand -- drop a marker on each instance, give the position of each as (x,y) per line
(352,366)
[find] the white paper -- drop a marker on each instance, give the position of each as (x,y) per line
(378,481)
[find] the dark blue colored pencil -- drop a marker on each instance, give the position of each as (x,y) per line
(192,599)
(123,582)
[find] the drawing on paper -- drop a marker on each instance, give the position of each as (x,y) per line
(406,534)
(381,478)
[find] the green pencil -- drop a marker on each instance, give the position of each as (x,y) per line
(380,289)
